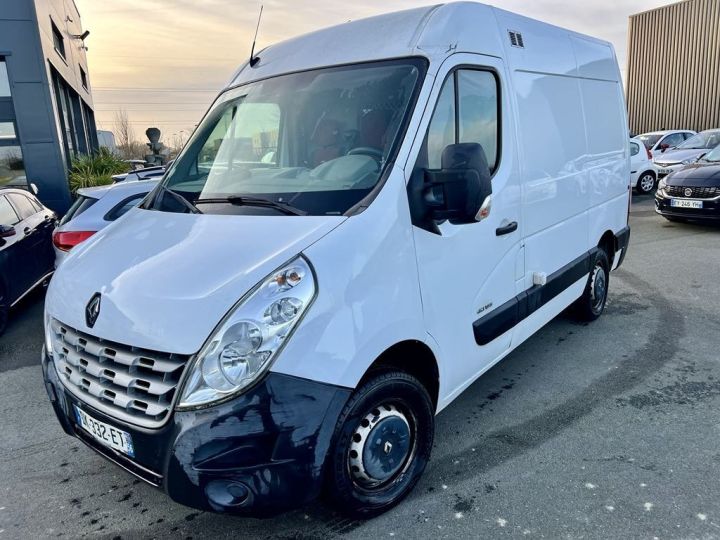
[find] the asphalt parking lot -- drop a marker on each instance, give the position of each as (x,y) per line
(607,430)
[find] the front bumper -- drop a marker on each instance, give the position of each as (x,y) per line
(666,170)
(258,454)
(710,208)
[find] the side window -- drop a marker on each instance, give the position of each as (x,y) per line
(674,139)
(7,213)
(478,114)
(442,130)
(22,205)
(467,110)
(123,207)
(688,135)
(36,204)
(634,149)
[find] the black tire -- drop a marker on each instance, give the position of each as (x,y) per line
(592,302)
(376,412)
(646,183)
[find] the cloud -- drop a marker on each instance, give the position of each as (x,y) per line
(198,44)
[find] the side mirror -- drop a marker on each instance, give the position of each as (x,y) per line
(460,191)
(7,231)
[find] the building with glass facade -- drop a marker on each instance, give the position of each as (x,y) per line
(46,107)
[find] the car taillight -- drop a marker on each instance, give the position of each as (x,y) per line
(66,240)
(649,154)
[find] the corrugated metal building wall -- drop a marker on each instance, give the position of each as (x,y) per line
(673,78)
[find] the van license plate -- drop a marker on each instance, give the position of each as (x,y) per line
(680,203)
(105,433)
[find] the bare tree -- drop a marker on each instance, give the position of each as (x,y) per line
(124,134)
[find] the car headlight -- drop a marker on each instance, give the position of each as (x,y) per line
(244,344)
(662,184)
(688,161)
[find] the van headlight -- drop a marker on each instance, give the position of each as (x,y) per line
(244,344)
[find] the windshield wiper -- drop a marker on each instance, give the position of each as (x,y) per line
(179,198)
(242,200)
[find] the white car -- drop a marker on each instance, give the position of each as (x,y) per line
(686,153)
(643,174)
(658,142)
(146,173)
(94,209)
(352,236)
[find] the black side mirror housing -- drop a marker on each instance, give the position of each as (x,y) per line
(458,191)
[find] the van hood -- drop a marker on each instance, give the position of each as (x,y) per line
(167,279)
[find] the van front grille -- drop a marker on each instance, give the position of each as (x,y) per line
(134,385)
(697,192)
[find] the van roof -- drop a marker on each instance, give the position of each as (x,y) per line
(436,32)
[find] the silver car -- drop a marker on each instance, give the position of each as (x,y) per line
(686,153)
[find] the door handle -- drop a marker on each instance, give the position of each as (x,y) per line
(506,229)
(28,231)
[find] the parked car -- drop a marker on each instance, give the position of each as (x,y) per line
(643,173)
(93,210)
(262,328)
(692,193)
(140,174)
(658,142)
(686,153)
(26,254)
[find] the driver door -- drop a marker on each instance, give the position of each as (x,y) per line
(468,273)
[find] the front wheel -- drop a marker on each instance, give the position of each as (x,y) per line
(592,302)
(646,183)
(382,444)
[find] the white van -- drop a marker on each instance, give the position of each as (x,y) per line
(368,218)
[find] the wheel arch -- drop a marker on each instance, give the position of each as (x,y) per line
(609,243)
(413,357)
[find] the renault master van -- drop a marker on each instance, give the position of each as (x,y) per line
(368,218)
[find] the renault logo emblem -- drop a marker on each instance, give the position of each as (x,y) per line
(688,192)
(92,310)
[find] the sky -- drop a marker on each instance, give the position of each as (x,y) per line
(163,61)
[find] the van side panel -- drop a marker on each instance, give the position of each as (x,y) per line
(554,200)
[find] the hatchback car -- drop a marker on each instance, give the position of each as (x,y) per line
(658,142)
(686,153)
(692,193)
(94,209)
(643,174)
(26,255)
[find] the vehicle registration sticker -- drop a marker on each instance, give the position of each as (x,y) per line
(105,433)
(680,203)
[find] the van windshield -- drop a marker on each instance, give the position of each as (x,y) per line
(315,142)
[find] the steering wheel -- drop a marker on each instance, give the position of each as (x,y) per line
(367,151)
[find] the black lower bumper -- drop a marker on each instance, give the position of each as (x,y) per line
(259,454)
(710,210)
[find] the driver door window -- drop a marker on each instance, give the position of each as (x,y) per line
(467,111)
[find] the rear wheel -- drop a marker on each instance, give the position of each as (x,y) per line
(592,302)
(646,183)
(382,444)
